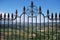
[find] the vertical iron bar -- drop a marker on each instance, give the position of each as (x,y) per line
(0,25)
(23,22)
(20,29)
(48,22)
(8,27)
(0,28)
(28,29)
(32,17)
(12,27)
(16,25)
(32,25)
(40,27)
(59,27)
(40,21)
(44,27)
(52,25)
(36,28)
(4,26)
(56,24)
(24,27)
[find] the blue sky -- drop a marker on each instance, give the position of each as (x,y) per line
(11,5)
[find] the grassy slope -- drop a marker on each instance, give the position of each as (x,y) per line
(16,33)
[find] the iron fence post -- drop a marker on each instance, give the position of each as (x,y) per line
(40,21)
(48,22)
(52,25)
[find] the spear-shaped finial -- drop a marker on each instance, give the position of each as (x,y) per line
(16,12)
(39,9)
(59,16)
(24,9)
(8,16)
(32,4)
(48,13)
(4,15)
(55,16)
(0,16)
(52,16)
(12,15)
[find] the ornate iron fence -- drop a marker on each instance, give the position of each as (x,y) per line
(26,30)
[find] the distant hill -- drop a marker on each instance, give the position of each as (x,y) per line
(26,25)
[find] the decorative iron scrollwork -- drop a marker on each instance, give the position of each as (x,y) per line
(32,10)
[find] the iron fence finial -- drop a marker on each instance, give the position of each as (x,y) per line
(59,16)
(8,16)
(55,16)
(39,9)
(48,13)
(52,16)
(1,16)
(4,16)
(16,12)
(12,15)
(24,9)
(32,4)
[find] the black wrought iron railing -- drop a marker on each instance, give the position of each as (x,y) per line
(29,28)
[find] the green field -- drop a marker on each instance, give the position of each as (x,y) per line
(16,34)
